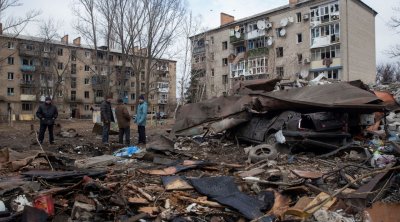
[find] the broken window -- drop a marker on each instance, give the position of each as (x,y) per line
(298,15)
(279,52)
(224,45)
(299,38)
(280,71)
(225,62)
(224,79)
(300,58)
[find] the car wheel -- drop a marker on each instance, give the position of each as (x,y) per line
(263,152)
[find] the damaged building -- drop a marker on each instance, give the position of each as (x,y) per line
(300,40)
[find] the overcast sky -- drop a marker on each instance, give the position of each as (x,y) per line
(60,10)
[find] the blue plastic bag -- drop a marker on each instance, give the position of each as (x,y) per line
(127,151)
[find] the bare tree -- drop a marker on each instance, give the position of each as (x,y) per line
(387,73)
(190,26)
(164,18)
(395,25)
(14,24)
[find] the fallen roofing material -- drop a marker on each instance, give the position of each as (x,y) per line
(224,191)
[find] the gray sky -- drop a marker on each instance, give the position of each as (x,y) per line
(60,10)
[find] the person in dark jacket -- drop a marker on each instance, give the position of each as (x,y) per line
(140,120)
(47,113)
(107,117)
(124,122)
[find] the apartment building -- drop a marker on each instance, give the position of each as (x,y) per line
(74,76)
(302,39)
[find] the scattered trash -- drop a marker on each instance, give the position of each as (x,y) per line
(127,151)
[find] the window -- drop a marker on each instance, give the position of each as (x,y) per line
(133,96)
(224,79)
(60,93)
(73,68)
(59,51)
(298,15)
(110,58)
(87,68)
(46,63)
(87,95)
(10,91)
(86,81)
(299,38)
(142,77)
(133,84)
(212,56)
(27,107)
(280,71)
(10,60)
(30,47)
(87,54)
(11,45)
(224,45)
(212,39)
(279,52)
(73,82)
(142,87)
(212,72)
(133,108)
(300,58)
(99,93)
(333,74)
(46,49)
(27,78)
(73,95)
(86,107)
(225,62)
(10,76)
(73,55)
(60,65)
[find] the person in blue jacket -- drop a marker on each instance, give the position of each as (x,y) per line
(140,120)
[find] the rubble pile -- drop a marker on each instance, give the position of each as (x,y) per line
(326,153)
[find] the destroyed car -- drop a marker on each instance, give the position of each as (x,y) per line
(312,130)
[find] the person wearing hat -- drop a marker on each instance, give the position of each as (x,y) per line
(47,113)
(124,122)
(107,117)
(140,120)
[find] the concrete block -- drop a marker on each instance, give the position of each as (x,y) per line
(98,161)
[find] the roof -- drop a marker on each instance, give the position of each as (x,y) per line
(287,6)
(56,42)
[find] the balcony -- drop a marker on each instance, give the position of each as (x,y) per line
(26,97)
(320,64)
(233,39)
(255,34)
(163,90)
(325,41)
(26,82)
(198,50)
(73,100)
(257,52)
(23,51)
(163,68)
(28,68)
(98,99)
(162,101)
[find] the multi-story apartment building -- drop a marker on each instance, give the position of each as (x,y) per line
(31,69)
(301,39)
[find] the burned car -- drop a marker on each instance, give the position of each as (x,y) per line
(327,130)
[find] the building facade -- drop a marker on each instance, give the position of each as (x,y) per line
(300,40)
(74,76)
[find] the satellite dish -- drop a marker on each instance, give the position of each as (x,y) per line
(284,22)
(291,19)
(237,28)
(261,24)
(282,32)
(237,35)
(269,41)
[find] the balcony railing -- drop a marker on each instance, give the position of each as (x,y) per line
(162,101)
(257,52)
(26,82)
(98,99)
(28,68)
(27,97)
(198,50)
(233,39)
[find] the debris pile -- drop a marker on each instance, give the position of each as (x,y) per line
(323,153)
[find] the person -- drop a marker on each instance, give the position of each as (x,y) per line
(140,120)
(124,122)
(107,117)
(47,113)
